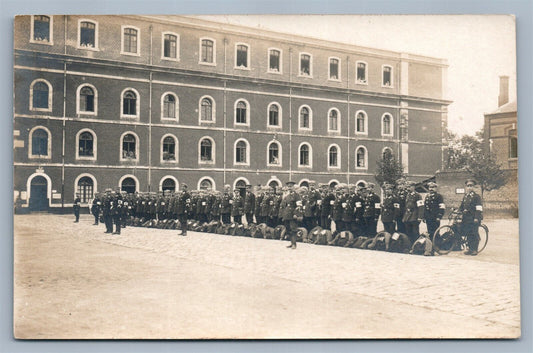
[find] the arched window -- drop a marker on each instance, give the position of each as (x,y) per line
(40,93)
(361,158)
(513,147)
(305,160)
(129,103)
(386,125)
(206,110)
(240,113)
(241,152)
(360,123)
(273,154)
(206,184)
(387,153)
(129,147)
(168,184)
(206,150)
(169,106)
(333,120)
(333,161)
(128,185)
(87,99)
(39,143)
(85,189)
(85,144)
(169,149)
(273,115)
(274,184)
(305,118)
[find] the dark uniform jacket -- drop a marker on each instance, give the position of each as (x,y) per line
(312,209)
(183,204)
(288,206)
(237,206)
(336,208)
(390,208)
(414,207)
(95,209)
(257,204)
(471,207)
(225,204)
(434,206)
(372,206)
(249,202)
(266,205)
(348,210)
(358,206)
(325,204)
(275,211)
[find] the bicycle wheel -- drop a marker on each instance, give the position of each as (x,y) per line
(483,232)
(444,239)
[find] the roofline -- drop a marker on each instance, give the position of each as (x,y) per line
(196,23)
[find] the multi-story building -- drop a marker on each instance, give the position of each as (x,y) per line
(144,103)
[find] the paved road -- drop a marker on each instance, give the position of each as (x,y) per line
(72,280)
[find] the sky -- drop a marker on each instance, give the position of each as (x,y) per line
(479,49)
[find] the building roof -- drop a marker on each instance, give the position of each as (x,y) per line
(506,108)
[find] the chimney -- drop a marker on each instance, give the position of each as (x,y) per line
(503,98)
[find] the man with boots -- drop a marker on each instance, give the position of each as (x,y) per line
(472,211)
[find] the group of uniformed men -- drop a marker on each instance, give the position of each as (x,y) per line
(352,208)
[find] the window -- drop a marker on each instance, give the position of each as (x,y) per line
(305,118)
(129,147)
(386,125)
(513,147)
(361,73)
(242,56)
(130,42)
(241,152)
(334,73)
(128,185)
(304,156)
(333,120)
(305,65)
(206,151)
(86,100)
(40,95)
(85,145)
(41,29)
(169,149)
(39,143)
(387,76)
(129,104)
(333,154)
(206,184)
(85,189)
(273,115)
(360,123)
(274,62)
(207,52)
(361,157)
(241,113)
(169,107)
(274,157)
(206,110)
(170,46)
(168,184)
(87,35)
(387,153)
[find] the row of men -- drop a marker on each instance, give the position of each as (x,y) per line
(354,209)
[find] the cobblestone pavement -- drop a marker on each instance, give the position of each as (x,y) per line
(481,291)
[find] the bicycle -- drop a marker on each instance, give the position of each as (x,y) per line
(450,236)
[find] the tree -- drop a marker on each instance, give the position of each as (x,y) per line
(467,154)
(388,169)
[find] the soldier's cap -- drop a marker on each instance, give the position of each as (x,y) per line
(290,183)
(227,186)
(432,184)
(303,188)
(470,180)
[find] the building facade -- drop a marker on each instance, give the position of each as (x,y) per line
(145,103)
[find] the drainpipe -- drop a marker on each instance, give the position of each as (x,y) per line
(225,115)
(349,118)
(290,113)
(64,117)
(150,116)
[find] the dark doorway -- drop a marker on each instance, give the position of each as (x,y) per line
(38,194)
(241,185)
(128,185)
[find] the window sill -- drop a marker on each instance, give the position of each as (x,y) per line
(244,68)
(41,110)
(177,59)
(88,48)
(132,117)
(129,54)
(206,162)
(363,83)
(86,113)
(39,157)
(274,72)
(335,79)
(305,76)
(207,63)
(81,158)
(44,42)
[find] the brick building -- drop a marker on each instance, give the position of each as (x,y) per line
(144,103)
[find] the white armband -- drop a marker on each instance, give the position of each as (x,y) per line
(323,232)
(344,204)
(162,204)
(395,236)
(230,202)
(203,203)
(319,202)
(420,203)
(441,205)
(332,202)
(396,205)
(377,205)
(143,202)
(358,204)
(423,241)
(479,208)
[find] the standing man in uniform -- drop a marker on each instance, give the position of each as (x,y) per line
(472,211)
(326,204)
(76,208)
(287,210)
(225,205)
(249,204)
(371,211)
(389,210)
(184,201)
(95,209)
(237,206)
(434,208)
(108,218)
(414,212)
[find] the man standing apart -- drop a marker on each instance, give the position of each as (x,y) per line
(184,200)
(472,211)
(414,212)
(76,208)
